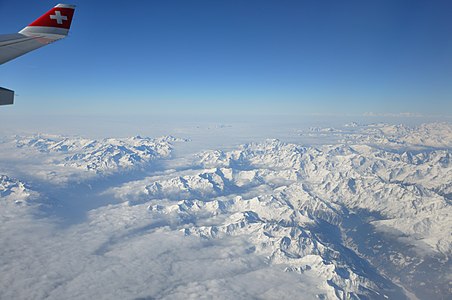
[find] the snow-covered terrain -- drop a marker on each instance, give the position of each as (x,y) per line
(357,211)
(65,159)
(13,190)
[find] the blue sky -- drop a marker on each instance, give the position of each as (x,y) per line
(246,57)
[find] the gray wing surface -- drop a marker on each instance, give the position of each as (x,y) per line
(15,45)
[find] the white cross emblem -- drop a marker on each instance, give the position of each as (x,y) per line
(58,17)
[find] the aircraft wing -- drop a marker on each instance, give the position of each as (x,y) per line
(50,27)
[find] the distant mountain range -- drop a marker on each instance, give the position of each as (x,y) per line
(366,217)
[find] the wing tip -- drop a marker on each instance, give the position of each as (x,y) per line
(72,6)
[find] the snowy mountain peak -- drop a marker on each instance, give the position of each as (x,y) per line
(13,190)
(101,156)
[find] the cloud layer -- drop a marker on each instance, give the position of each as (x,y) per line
(270,219)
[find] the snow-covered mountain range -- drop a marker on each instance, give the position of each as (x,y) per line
(364,214)
(101,155)
(300,206)
(60,159)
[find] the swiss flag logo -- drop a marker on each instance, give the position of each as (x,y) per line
(59,17)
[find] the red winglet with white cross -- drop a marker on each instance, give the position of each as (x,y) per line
(60,16)
(55,21)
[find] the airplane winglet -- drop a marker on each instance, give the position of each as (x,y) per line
(56,21)
(52,26)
